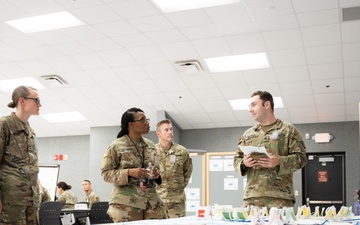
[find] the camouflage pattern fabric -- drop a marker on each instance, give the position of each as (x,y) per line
(18,167)
(121,156)
(91,198)
(282,140)
(124,213)
(19,215)
(68,198)
(44,195)
(268,202)
(175,176)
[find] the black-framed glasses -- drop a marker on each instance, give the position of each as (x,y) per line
(37,100)
(143,120)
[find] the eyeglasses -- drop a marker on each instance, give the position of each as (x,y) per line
(143,120)
(37,100)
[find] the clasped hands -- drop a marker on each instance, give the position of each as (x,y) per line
(263,162)
(144,173)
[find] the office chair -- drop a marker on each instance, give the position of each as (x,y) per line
(49,213)
(98,213)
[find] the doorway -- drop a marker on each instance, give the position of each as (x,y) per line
(324,180)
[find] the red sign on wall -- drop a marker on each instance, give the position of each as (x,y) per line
(323,176)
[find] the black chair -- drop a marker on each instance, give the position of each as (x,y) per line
(49,213)
(98,213)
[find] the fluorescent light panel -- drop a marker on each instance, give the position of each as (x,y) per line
(45,22)
(181,5)
(63,117)
(237,62)
(8,86)
(243,104)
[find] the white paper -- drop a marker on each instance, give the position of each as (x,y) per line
(192,193)
(216,165)
(228,165)
(231,184)
(192,205)
(250,149)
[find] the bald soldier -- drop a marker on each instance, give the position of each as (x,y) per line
(269,179)
(175,168)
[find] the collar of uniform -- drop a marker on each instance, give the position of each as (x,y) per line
(20,126)
(141,143)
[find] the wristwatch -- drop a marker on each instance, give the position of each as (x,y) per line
(242,165)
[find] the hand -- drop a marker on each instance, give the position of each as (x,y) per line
(249,161)
(138,173)
(270,162)
(155,172)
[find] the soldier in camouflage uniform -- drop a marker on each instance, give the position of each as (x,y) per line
(91,196)
(67,197)
(44,193)
(175,169)
(124,166)
(19,168)
(269,179)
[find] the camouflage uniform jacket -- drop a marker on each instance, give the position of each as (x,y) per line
(91,198)
(68,198)
(122,155)
(44,194)
(282,140)
(175,176)
(18,163)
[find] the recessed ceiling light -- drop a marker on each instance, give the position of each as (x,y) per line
(63,117)
(45,22)
(181,5)
(243,104)
(237,62)
(8,86)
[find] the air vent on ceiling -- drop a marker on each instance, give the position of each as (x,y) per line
(189,66)
(53,80)
(352,13)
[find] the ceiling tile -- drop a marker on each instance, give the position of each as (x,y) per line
(189,18)
(329,99)
(277,23)
(292,74)
(212,47)
(266,8)
(351,51)
(321,35)
(327,85)
(325,71)
(323,54)
(151,23)
(309,5)
(166,36)
(284,39)
(351,69)
(134,8)
(96,14)
(285,58)
(316,18)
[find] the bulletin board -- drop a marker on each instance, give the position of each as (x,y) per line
(224,186)
(48,176)
(195,190)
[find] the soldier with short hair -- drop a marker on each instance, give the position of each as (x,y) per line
(91,196)
(19,167)
(269,179)
(175,169)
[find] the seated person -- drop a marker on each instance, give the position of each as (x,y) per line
(67,197)
(91,197)
(44,193)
